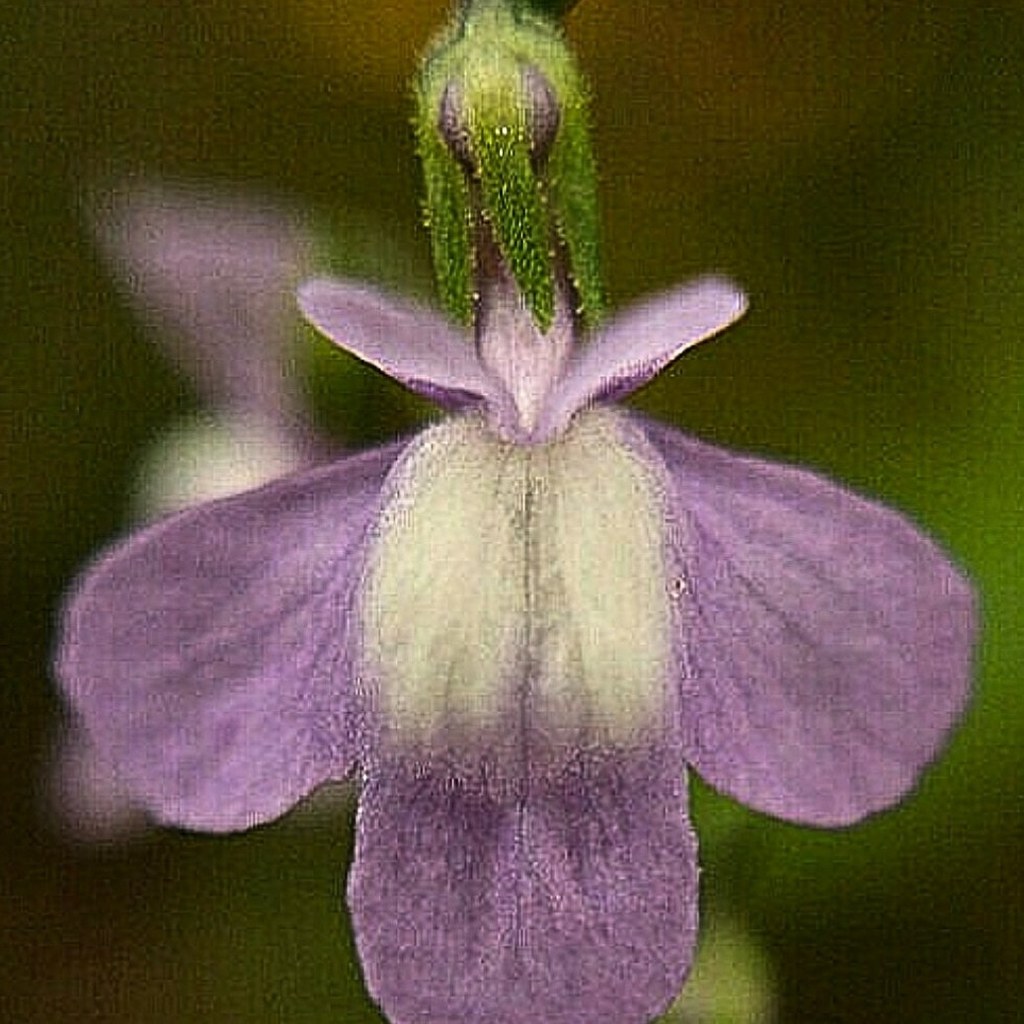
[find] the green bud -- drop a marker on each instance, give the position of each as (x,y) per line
(503,134)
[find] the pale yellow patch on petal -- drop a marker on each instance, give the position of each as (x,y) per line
(601,583)
(516,587)
(445,604)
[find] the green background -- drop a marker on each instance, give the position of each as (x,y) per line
(859,167)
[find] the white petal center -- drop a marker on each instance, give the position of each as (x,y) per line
(517,589)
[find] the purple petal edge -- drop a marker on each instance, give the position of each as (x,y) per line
(825,642)
(410,343)
(209,657)
(639,343)
(572,903)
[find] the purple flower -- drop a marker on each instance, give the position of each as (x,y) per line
(521,625)
(214,273)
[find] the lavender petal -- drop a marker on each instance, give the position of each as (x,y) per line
(568,898)
(825,642)
(216,272)
(410,343)
(209,656)
(639,343)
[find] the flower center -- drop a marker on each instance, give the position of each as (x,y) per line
(526,360)
(516,599)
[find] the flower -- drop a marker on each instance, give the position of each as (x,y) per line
(213,272)
(521,625)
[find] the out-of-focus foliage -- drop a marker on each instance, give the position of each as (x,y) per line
(858,167)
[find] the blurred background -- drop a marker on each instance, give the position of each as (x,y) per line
(857,166)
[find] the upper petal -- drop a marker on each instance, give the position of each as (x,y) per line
(208,657)
(408,342)
(569,898)
(639,343)
(825,643)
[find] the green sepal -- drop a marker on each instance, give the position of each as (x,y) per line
(449,216)
(513,203)
(532,207)
(572,181)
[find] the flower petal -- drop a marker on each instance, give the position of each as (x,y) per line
(216,271)
(208,656)
(639,343)
(410,343)
(509,584)
(568,897)
(825,641)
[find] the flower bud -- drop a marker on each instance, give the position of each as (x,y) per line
(504,141)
